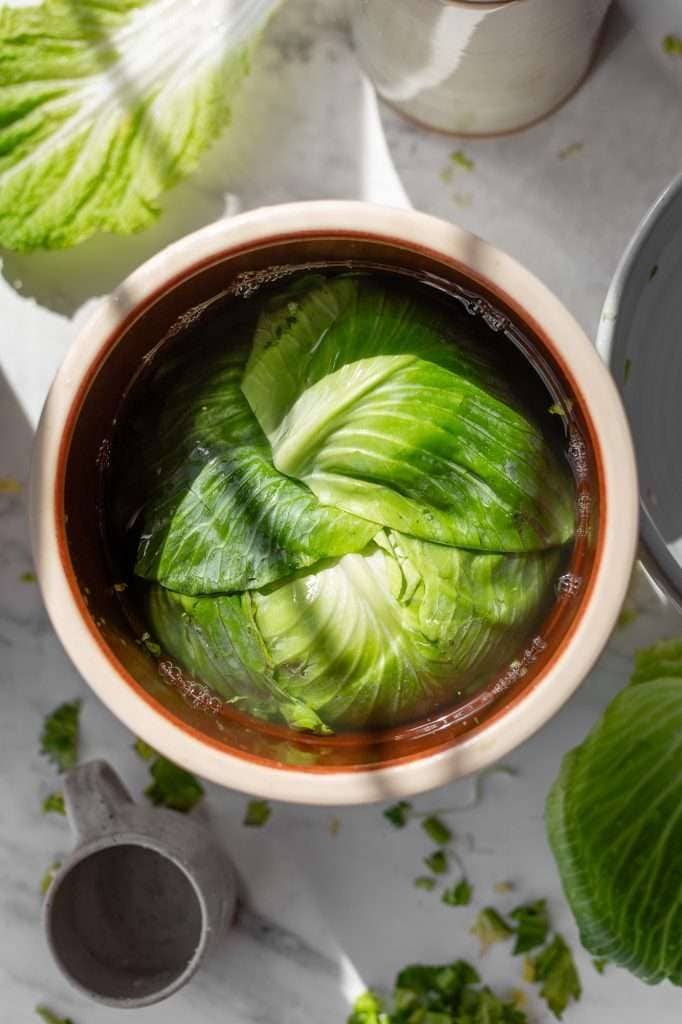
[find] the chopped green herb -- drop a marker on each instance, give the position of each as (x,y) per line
(120,587)
(532,926)
(398,813)
(54,802)
(28,577)
(48,877)
(518,999)
(600,965)
(173,787)
(627,367)
(446,174)
(459,158)
(503,887)
(556,973)
(437,862)
(334,826)
(257,813)
(151,645)
(489,928)
(143,750)
(528,970)
(626,617)
(458,895)
(672,45)
(425,882)
(51,1018)
(653,272)
(463,199)
(571,150)
(437,830)
(438,994)
(8,485)
(59,738)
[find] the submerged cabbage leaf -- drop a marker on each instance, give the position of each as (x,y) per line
(411,445)
(222,518)
(374,638)
(614,818)
(104,104)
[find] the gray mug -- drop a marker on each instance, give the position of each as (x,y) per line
(141,901)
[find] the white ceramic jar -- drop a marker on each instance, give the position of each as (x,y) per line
(475,68)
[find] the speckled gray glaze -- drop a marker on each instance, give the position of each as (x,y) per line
(144,897)
(639,337)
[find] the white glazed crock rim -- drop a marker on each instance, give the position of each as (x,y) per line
(619,519)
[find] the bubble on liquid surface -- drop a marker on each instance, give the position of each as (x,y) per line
(568,585)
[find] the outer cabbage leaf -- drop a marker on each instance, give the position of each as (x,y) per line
(216,641)
(614,819)
(104,104)
(221,518)
(411,445)
(318,325)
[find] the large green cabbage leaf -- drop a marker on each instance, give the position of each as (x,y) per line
(221,517)
(411,445)
(614,818)
(104,104)
(318,325)
(373,638)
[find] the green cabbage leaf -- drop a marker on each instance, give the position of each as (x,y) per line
(104,104)
(614,818)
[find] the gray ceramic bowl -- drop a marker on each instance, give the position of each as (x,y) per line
(640,337)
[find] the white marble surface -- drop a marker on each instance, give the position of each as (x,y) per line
(342,907)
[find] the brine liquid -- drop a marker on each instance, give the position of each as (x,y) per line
(534,384)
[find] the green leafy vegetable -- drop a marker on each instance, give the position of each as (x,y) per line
(59,738)
(613,817)
(398,813)
(437,862)
(104,104)
(48,877)
(425,882)
(437,830)
(489,928)
(438,994)
(51,1018)
(532,925)
(54,803)
(556,973)
(172,786)
(257,813)
(458,895)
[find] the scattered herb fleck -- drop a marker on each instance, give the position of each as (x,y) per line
(51,1018)
(459,159)
(143,750)
(437,862)
(398,813)
(446,174)
(600,965)
(59,738)
(8,485)
(437,830)
(463,199)
(626,617)
(503,887)
(556,973)
(425,882)
(257,813)
(54,802)
(571,150)
(28,577)
(528,970)
(437,994)
(518,999)
(334,826)
(48,877)
(489,928)
(151,645)
(458,895)
(172,786)
(120,587)
(627,367)
(532,926)
(653,272)
(672,45)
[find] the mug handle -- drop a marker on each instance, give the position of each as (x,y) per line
(95,800)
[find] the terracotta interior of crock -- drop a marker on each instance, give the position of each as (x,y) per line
(79,514)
